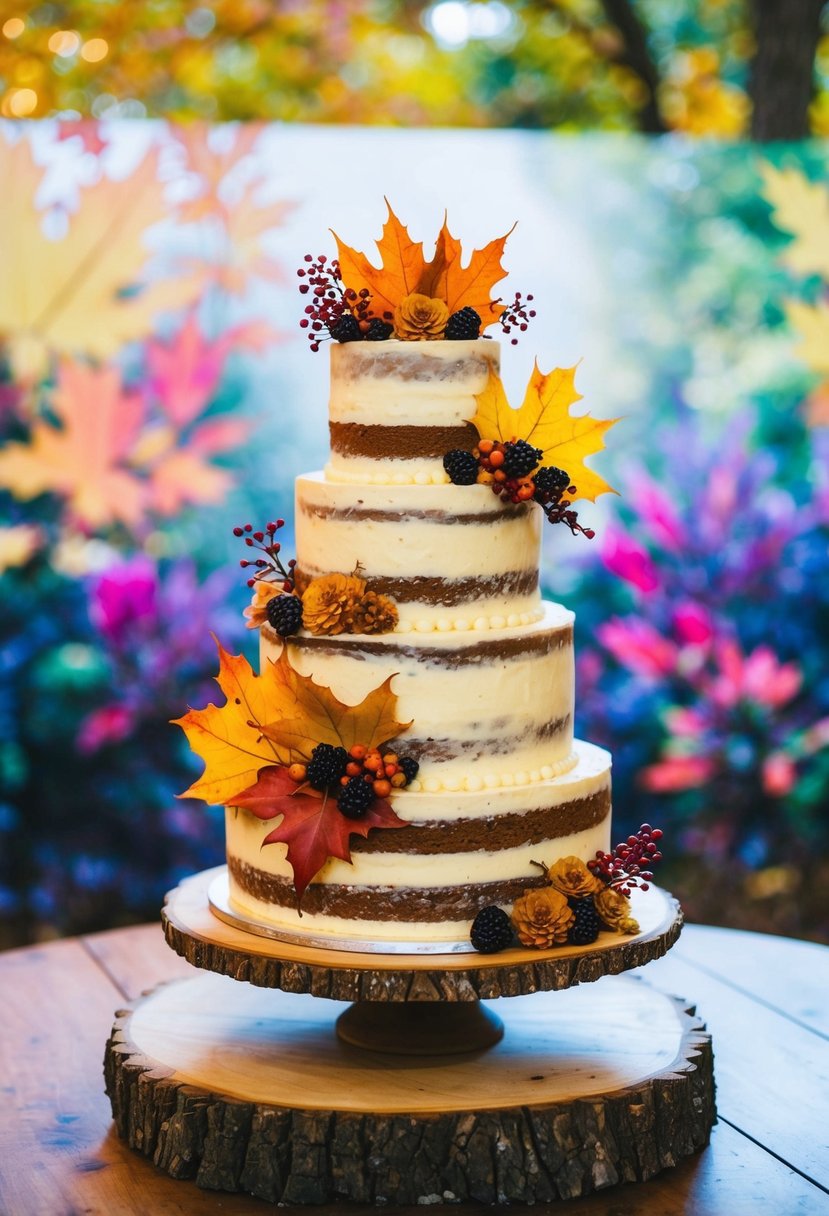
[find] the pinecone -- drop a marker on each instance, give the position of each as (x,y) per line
(378,330)
(464,324)
(355,798)
(585,928)
(409,767)
(461,467)
(372,614)
(326,766)
(550,483)
(346,328)
(491,930)
(284,614)
(520,458)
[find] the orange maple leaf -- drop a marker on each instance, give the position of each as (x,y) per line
(403,270)
(545,421)
(82,459)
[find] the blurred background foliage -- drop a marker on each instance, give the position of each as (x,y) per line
(703,67)
(155,391)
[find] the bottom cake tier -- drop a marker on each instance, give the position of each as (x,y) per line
(425,883)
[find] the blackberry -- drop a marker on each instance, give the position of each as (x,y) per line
(491,930)
(284,614)
(520,458)
(378,330)
(463,324)
(409,767)
(346,328)
(461,467)
(326,766)
(586,926)
(550,483)
(355,798)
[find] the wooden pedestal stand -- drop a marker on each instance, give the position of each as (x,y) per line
(245,1089)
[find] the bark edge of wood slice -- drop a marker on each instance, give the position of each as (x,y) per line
(192,931)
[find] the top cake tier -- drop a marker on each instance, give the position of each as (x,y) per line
(396,408)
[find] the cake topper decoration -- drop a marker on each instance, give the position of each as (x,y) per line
(284,746)
(406,296)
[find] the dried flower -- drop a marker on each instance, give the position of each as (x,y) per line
(571,876)
(256,613)
(328,602)
(628,925)
(373,614)
(542,918)
(613,908)
(418,316)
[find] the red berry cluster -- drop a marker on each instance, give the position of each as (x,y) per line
(516,316)
(270,566)
(383,771)
(623,868)
(331,300)
(492,455)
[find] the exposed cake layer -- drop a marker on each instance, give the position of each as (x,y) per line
(426,882)
(487,709)
(396,407)
(451,557)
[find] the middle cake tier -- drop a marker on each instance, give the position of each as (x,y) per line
(488,709)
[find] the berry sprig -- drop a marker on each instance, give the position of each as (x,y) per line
(517,315)
(270,567)
(356,776)
(511,469)
(337,308)
(628,866)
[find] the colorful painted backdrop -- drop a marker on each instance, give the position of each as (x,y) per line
(155,390)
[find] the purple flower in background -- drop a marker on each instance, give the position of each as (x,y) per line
(628,560)
(123,598)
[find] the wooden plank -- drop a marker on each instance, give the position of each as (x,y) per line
(137,959)
(790,976)
(772,1074)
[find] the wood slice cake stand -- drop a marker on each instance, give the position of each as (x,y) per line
(418,1093)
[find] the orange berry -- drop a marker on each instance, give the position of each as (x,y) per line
(297,772)
(485,446)
(358,751)
(398,781)
(499,475)
(373,763)
(382,788)
(390,769)
(496,459)
(353,769)
(390,758)
(344,780)
(525,492)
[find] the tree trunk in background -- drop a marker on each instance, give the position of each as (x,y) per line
(782,73)
(637,57)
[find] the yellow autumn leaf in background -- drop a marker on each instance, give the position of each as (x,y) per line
(545,421)
(82,459)
(812,324)
(68,295)
(229,737)
(313,714)
(801,208)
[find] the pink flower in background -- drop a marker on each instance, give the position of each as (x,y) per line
(123,597)
(677,773)
(693,625)
(685,722)
(658,514)
(623,557)
(758,677)
(721,496)
(638,646)
(779,774)
(109,724)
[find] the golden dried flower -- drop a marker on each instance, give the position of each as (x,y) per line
(571,876)
(628,925)
(256,613)
(612,907)
(542,918)
(418,316)
(373,614)
(328,601)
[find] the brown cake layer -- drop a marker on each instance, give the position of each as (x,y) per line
(400,442)
(494,649)
(357,514)
(475,749)
(422,589)
(428,904)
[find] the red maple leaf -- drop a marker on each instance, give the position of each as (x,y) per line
(312,826)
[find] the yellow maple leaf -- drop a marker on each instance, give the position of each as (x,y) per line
(70,296)
(545,421)
(82,459)
(800,207)
(229,737)
(812,324)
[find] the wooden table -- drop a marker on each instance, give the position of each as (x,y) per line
(765,999)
